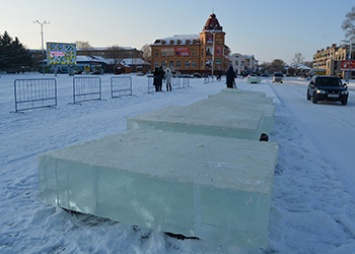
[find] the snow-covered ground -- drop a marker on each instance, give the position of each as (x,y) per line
(313,206)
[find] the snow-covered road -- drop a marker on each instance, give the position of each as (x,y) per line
(329,125)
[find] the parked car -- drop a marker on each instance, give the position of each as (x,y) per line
(327,88)
(278,77)
(196,75)
(253,79)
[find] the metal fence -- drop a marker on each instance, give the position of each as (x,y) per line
(176,83)
(121,86)
(180,82)
(151,88)
(86,89)
(35,93)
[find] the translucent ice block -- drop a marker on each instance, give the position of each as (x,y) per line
(245,102)
(214,188)
(207,119)
(243,92)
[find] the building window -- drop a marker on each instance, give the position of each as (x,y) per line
(193,64)
(156,53)
(178,64)
(163,64)
(156,64)
(187,64)
(171,64)
(194,53)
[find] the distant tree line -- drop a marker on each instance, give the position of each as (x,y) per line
(14,57)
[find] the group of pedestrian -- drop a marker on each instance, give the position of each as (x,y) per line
(159,76)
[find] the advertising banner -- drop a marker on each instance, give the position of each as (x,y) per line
(182,51)
(348,65)
(218,51)
(168,52)
(61,53)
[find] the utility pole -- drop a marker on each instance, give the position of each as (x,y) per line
(41,24)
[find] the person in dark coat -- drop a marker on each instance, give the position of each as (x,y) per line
(230,75)
(156,79)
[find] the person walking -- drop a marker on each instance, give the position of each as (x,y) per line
(230,75)
(168,75)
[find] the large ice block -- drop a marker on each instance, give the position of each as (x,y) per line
(207,119)
(214,188)
(245,102)
(242,92)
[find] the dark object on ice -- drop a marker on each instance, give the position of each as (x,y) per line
(264,137)
(181,237)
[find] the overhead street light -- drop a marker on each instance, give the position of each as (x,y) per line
(41,24)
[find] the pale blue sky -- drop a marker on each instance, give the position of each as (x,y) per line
(267,29)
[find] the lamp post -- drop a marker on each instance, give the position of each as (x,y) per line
(213,49)
(41,24)
(350,62)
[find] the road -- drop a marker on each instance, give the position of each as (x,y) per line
(329,125)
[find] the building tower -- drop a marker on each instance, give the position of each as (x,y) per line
(214,54)
(203,53)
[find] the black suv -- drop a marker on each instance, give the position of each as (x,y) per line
(327,88)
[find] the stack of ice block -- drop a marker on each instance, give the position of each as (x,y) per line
(214,188)
(229,114)
(208,119)
(196,170)
(245,103)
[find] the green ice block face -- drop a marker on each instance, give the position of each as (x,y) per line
(214,188)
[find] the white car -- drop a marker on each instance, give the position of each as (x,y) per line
(253,79)
(278,77)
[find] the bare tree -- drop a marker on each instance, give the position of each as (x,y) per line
(297,59)
(83,46)
(147,53)
(277,65)
(115,52)
(349,25)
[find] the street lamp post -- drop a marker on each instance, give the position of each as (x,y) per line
(41,24)
(213,49)
(350,62)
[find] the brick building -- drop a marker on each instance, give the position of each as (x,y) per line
(329,60)
(200,53)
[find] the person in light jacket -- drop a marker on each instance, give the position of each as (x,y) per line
(168,75)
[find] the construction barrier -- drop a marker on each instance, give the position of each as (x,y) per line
(86,89)
(35,93)
(121,86)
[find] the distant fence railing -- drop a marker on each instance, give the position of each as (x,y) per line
(121,86)
(151,87)
(86,89)
(35,93)
(176,83)
(180,82)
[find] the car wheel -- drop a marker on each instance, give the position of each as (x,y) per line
(344,102)
(308,96)
(314,99)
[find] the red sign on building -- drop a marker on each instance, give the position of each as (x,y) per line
(348,65)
